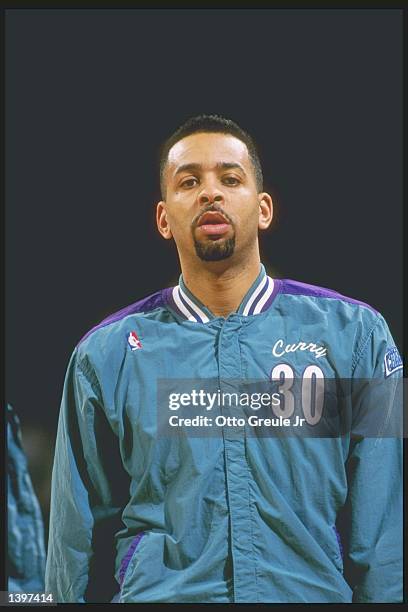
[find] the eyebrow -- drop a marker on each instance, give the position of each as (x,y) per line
(219,166)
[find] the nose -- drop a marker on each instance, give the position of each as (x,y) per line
(210,194)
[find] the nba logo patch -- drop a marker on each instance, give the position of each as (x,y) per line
(392,361)
(133,341)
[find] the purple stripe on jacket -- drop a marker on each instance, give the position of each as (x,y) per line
(169,300)
(339,541)
(296,288)
(126,559)
(259,296)
(277,286)
(144,305)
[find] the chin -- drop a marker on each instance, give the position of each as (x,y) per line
(215,250)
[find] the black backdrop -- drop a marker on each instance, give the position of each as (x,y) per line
(90,95)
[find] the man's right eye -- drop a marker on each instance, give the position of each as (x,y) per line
(190,182)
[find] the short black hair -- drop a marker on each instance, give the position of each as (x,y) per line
(211,124)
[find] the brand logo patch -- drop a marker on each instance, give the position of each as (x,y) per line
(392,361)
(133,341)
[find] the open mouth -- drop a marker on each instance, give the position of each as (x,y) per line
(213,224)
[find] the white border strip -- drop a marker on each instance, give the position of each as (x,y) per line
(180,304)
(265,296)
(254,296)
(196,309)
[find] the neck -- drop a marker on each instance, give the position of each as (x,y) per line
(220,285)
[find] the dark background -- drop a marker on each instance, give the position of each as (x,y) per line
(91,94)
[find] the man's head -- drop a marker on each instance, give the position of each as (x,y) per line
(211,181)
(213,124)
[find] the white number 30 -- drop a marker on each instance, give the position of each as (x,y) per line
(312,394)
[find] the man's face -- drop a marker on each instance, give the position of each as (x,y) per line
(212,206)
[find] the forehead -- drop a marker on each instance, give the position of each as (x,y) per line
(208,149)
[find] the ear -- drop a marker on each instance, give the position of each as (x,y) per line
(161,219)
(265,210)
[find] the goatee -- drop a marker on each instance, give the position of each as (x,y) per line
(215,251)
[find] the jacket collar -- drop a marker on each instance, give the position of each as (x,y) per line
(257,299)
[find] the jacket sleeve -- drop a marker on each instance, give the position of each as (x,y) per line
(373,528)
(89,490)
(26,552)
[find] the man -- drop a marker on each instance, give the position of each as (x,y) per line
(230,516)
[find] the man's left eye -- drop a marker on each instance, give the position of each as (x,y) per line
(231,180)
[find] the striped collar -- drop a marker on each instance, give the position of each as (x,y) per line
(257,299)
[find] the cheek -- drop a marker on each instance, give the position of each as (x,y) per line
(247,226)
(250,216)
(180,228)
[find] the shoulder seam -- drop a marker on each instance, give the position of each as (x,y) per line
(122,314)
(320,292)
(363,347)
(101,325)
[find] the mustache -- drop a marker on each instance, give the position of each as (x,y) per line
(211,208)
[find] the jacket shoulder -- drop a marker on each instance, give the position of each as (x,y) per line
(293,287)
(143,306)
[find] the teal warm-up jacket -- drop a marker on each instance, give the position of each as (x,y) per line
(25,533)
(234,516)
